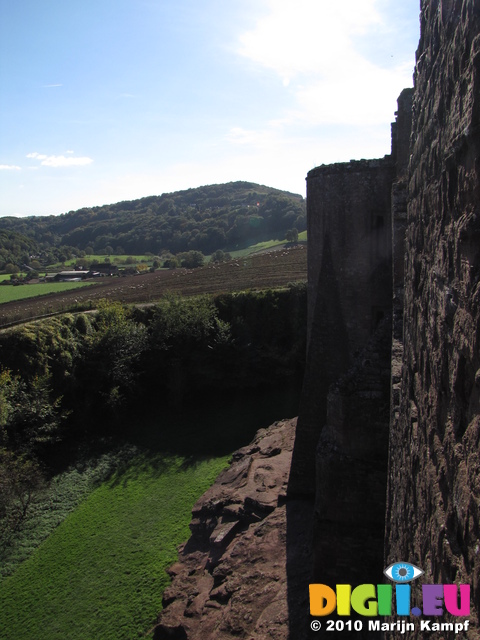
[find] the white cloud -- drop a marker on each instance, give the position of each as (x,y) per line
(308,36)
(250,137)
(9,167)
(313,46)
(38,156)
(60,161)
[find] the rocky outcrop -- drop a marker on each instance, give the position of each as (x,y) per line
(230,580)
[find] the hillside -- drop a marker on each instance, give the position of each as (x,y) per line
(225,216)
(272,269)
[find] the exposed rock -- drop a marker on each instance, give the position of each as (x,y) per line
(231,577)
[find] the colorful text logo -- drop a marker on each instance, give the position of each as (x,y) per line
(377,600)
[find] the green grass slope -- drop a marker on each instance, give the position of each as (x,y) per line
(101,574)
(11,294)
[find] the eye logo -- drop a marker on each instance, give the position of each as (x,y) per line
(402,572)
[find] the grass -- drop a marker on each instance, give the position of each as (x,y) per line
(262,246)
(63,494)
(10,293)
(7,276)
(101,574)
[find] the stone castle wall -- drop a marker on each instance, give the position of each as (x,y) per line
(434,478)
(417,210)
(349,275)
(341,447)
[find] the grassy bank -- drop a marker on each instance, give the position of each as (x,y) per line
(11,294)
(101,574)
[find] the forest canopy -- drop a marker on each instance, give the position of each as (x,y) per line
(206,219)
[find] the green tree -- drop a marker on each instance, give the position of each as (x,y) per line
(186,337)
(29,414)
(220,256)
(292,235)
(20,481)
(191,259)
(112,357)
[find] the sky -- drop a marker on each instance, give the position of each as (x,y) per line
(110,100)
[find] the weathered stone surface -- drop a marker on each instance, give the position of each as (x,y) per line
(231,577)
(351,467)
(349,286)
(434,478)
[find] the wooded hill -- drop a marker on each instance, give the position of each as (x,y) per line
(225,216)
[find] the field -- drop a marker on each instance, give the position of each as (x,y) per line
(11,294)
(100,570)
(101,574)
(268,269)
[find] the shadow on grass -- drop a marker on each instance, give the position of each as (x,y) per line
(200,431)
(214,426)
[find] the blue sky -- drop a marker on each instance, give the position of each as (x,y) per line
(109,100)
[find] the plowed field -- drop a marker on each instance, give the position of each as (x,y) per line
(262,271)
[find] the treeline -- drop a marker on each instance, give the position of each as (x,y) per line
(205,219)
(13,247)
(78,380)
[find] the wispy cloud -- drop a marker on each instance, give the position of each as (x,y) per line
(51,86)
(9,167)
(314,46)
(250,137)
(60,161)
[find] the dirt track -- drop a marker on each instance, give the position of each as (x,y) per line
(262,271)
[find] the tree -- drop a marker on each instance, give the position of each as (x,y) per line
(191,259)
(220,256)
(112,357)
(29,416)
(171,263)
(20,482)
(292,235)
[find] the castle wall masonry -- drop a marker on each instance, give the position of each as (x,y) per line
(400,237)
(349,275)
(434,475)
